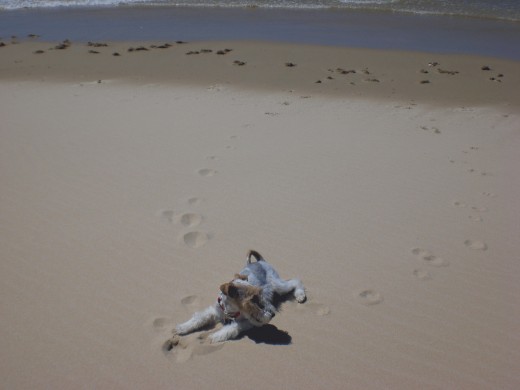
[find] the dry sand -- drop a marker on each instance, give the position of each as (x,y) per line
(130,190)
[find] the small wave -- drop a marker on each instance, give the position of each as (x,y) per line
(288,4)
(489,9)
(22,4)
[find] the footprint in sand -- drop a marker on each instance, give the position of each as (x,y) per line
(481,173)
(190,220)
(216,88)
(369,297)
(476,245)
(167,215)
(171,343)
(207,172)
(317,308)
(212,158)
(474,208)
(430,258)
(162,323)
(194,201)
(182,349)
(191,302)
(435,130)
(195,239)
(422,274)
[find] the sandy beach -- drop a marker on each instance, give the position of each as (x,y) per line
(132,186)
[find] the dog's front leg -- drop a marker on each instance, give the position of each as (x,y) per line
(200,319)
(230,331)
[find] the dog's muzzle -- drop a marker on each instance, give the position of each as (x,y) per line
(227,315)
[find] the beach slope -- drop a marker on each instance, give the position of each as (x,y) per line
(132,186)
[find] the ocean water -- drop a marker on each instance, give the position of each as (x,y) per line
(481,27)
(490,9)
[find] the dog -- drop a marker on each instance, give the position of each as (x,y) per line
(245,302)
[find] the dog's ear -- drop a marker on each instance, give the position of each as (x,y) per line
(229,289)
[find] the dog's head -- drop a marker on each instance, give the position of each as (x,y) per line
(248,301)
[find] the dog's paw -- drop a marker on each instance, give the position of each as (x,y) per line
(217,338)
(300,296)
(182,329)
(267,316)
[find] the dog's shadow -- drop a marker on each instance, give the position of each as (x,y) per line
(269,334)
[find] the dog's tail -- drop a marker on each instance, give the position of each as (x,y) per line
(254,254)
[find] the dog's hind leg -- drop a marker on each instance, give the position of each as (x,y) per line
(283,287)
(199,320)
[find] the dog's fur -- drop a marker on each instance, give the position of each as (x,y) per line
(245,302)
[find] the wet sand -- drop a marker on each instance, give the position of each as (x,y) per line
(412,76)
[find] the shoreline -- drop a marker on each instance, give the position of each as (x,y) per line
(443,80)
(344,28)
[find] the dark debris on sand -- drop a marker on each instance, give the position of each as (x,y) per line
(64,45)
(139,48)
(97,44)
(449,72)
(223,52)
(343,71)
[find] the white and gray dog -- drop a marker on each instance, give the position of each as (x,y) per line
(245,302)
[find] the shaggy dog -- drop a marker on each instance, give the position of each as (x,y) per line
(245,302)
